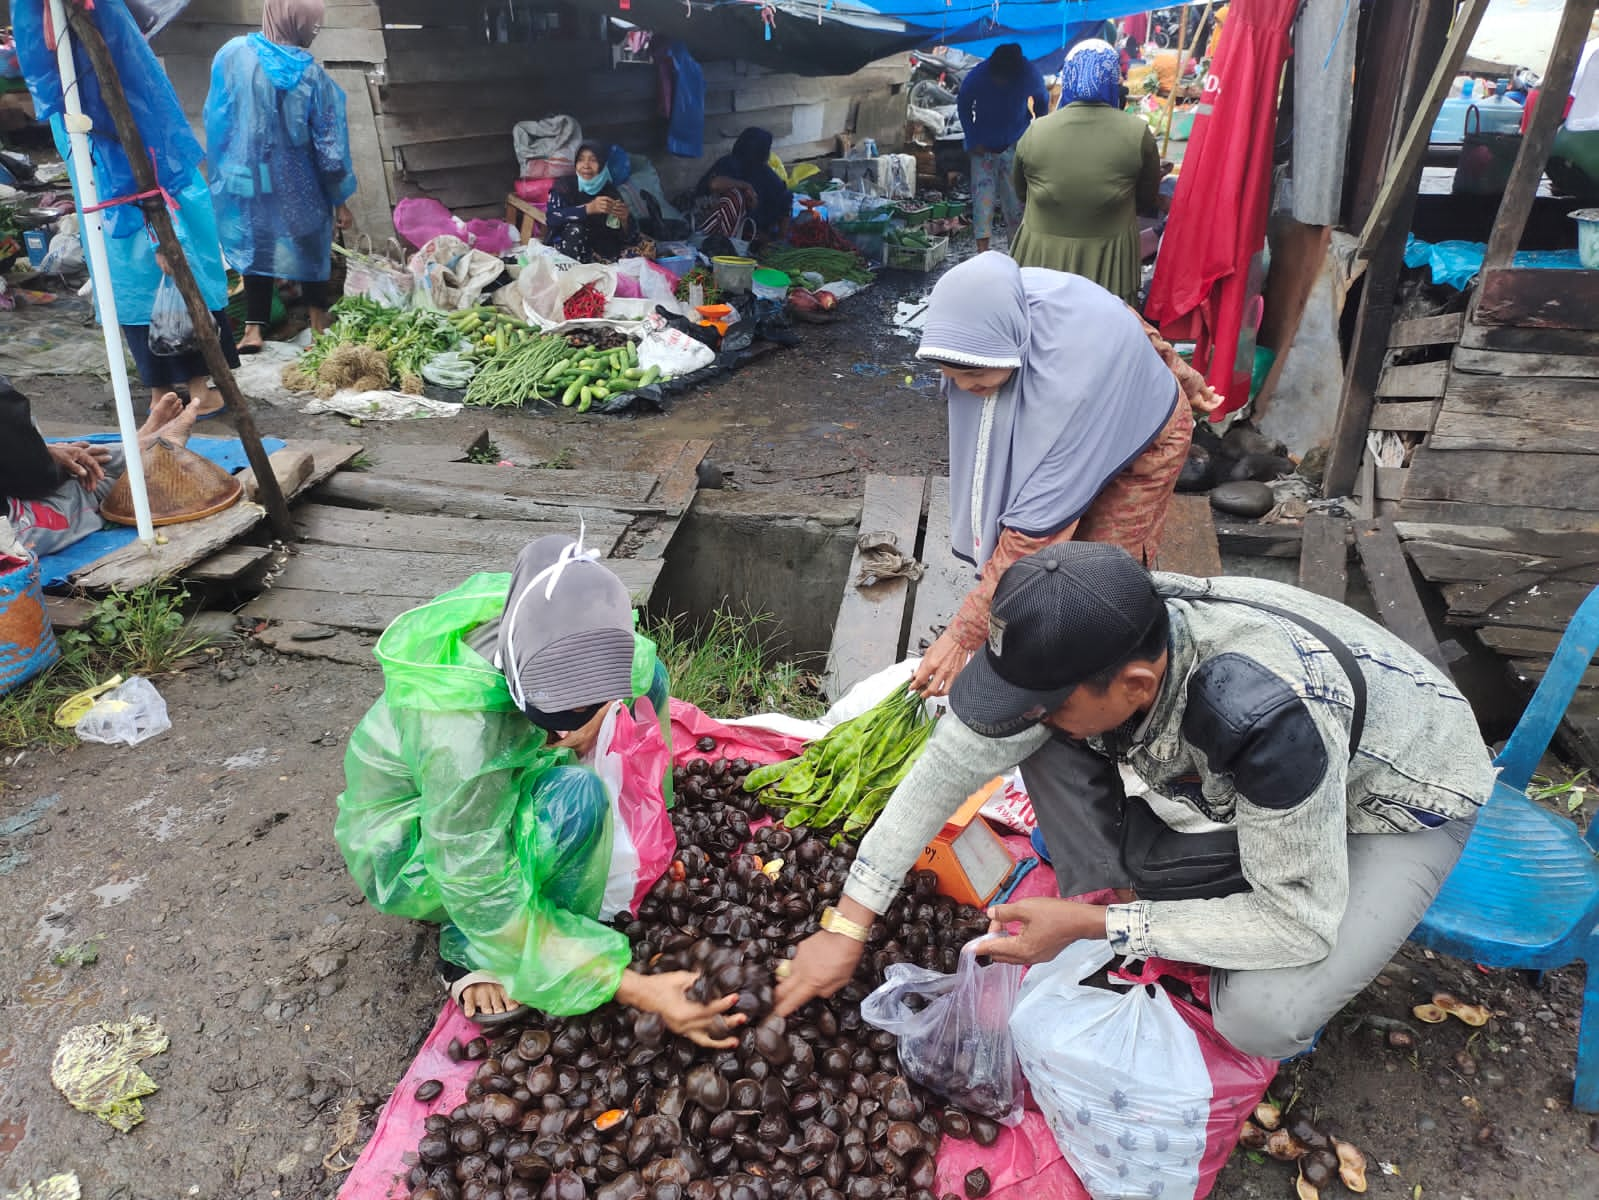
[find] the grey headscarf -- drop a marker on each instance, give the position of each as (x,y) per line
(565,641)
(1089,395)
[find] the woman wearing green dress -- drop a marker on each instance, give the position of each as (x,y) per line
(1084,173)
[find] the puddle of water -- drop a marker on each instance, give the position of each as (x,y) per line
(259,757)
(117,892)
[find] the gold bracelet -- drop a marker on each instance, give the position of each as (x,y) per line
(834,921)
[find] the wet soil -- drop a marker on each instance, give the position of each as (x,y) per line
(200,871)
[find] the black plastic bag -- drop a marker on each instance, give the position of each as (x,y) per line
(172,331)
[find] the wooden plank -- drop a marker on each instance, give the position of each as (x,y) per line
(493,149)
(1251,538)
(191,541)
(1550,520)
(1405,166)
(332,45)
(360,15)
(1441,562)
(1530,341)
(373,613)
(228,565)
(425,464)
(1388,483)
(68,612)
(372,206)
(1539,298)
(1404,416)
(1427,331)
(490,540)
(937,595)
(366,490)
(1472,600)
(1531,671)
(1514,642)
(1542,544)
(1506,363)
(1394,591)
(1415,379)
(1188,544)
(1511,431)
(678,478)
(869,632)
(1559,481)
(1548,608)
(1578,735)
(1324,556)
(1516,206)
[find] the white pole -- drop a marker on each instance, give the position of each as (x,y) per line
(78,127)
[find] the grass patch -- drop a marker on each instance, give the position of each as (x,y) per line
(142,632)
(486,454)
(725,667)
(564,460)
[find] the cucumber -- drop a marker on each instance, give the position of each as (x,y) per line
(651,374)
(573,391)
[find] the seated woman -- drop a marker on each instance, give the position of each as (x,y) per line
(468,802)
(588,220)
(51,491)
(741,196)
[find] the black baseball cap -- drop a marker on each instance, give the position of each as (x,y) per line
(1058,617)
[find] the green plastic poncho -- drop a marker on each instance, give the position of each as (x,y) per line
(454,811)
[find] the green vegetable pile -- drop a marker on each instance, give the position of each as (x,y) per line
(407,338)
(547,366)
(848,775)
(707,282)
(910,239)
(829,264)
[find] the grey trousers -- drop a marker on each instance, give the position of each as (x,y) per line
(1393,878)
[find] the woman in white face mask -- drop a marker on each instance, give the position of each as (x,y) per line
(467,802)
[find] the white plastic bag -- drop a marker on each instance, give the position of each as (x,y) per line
(954,1032)
(132,712)
(1120,1076)
(171,328)
(673,351)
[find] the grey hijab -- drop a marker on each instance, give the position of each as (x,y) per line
(1088,396)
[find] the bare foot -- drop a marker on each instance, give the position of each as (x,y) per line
(252,339)
(487,998)
(177,430)
(161,411)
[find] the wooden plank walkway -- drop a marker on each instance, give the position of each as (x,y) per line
(893,622)
(422,524)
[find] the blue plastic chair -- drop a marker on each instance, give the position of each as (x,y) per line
(1525,893)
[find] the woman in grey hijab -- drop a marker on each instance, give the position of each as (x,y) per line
(1065,422)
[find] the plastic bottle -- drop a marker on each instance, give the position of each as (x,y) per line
(1466,89)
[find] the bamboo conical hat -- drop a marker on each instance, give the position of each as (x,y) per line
(182,487)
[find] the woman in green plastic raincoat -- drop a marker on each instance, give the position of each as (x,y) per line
(467,803)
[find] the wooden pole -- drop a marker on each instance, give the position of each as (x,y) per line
(156,215)
(1177,80)
(1516,205)
(1405,169)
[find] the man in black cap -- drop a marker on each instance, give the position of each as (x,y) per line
(1313,779)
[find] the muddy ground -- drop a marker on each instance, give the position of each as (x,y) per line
(199,871)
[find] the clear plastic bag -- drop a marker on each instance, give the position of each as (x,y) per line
(171,329)
(130,713)
(954,1032)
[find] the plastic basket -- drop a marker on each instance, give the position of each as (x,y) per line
(27,643)
(916,215)
(910,258)
(678,264)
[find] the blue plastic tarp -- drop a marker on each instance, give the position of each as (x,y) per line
(1455,264)
(1045,29)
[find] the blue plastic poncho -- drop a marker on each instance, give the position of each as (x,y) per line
(167,135)
(135,274)
(279,158)
(455,812)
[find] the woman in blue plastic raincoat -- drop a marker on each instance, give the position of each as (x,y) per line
(279,157)
(466,802)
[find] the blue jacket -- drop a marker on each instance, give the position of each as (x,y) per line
(279,156)
(994,114)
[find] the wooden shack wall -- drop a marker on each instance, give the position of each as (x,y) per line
(432,101)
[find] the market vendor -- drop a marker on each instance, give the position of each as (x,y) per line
(1068,419)
(51,492)
(741,196)
(588,219)
(470,800)
(1344,769)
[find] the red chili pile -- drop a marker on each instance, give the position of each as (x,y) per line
(585,304)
